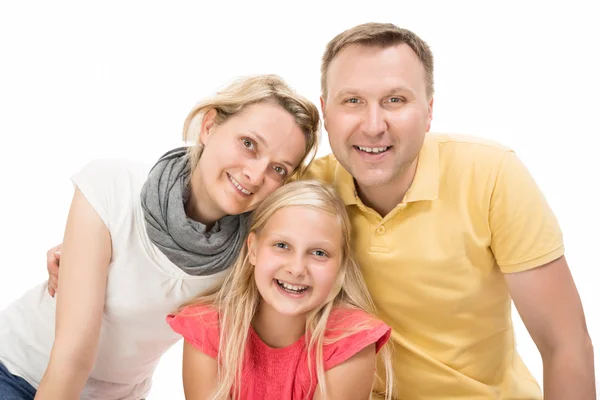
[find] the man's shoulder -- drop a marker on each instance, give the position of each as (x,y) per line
(465,142)
(322,169)
(466,151)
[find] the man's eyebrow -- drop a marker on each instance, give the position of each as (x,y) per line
(345,92)
(399,89)
(352,91)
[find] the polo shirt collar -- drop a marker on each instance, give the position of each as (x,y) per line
(425,185)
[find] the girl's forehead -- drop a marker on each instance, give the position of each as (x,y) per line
(300,213)
(304,222)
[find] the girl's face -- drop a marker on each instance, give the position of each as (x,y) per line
(296,258)
(246,158)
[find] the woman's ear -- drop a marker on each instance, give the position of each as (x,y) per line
(251,243)
(208,122)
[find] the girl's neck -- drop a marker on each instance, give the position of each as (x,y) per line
(277,330)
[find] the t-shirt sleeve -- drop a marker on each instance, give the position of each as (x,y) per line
(105,184)
(357,330)
(525,231)
(199,326)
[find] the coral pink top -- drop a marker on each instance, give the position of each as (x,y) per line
(282,373)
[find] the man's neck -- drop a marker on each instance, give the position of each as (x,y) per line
(384,198)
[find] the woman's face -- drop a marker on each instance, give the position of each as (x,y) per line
(246,158)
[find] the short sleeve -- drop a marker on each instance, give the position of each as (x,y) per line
(199,326)
(104,183)
(357,330)
(525,231)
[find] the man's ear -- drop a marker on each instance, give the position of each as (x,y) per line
(323,112)
(430,115)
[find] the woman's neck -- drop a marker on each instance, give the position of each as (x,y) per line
(198,205)
(275,329)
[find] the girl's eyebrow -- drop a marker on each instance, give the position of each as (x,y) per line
(288,238)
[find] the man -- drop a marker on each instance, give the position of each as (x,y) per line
(447,230)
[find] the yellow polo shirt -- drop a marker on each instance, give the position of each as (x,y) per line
(434,266)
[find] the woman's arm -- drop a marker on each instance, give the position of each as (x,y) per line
(352,379)
(200,373)
(80,303)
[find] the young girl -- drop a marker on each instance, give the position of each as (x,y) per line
(292,319)
(140,241)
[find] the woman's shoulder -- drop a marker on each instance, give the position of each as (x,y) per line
(112,170)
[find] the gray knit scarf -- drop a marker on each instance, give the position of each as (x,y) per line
(185,241)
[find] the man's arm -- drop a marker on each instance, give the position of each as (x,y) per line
(550,307)
(52,261)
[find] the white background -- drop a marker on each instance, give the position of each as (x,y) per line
(84,80)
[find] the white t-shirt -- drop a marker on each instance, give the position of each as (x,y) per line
(143,287)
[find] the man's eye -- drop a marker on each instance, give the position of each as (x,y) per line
(353,100)
(396,100)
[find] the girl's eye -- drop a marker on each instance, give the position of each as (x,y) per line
(320,253)
(247,143)
(280,170)
(281,245)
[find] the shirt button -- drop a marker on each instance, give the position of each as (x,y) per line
(381,229)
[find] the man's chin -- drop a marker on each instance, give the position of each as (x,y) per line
(374,179)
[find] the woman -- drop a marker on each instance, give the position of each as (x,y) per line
(139,242)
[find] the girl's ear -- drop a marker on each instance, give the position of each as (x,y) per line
(251,242)
(207,123)
(337,285)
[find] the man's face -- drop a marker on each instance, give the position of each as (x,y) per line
(376,112)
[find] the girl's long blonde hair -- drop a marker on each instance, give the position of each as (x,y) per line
(238,298)
(250,90)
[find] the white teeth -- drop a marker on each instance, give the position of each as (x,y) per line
(295,288)
(373,149)
(237,185)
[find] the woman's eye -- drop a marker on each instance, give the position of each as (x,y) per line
(281,245)
(249,144)
(320,253)
(280,170)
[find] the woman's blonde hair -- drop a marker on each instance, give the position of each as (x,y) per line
(238,298)
(246,91)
